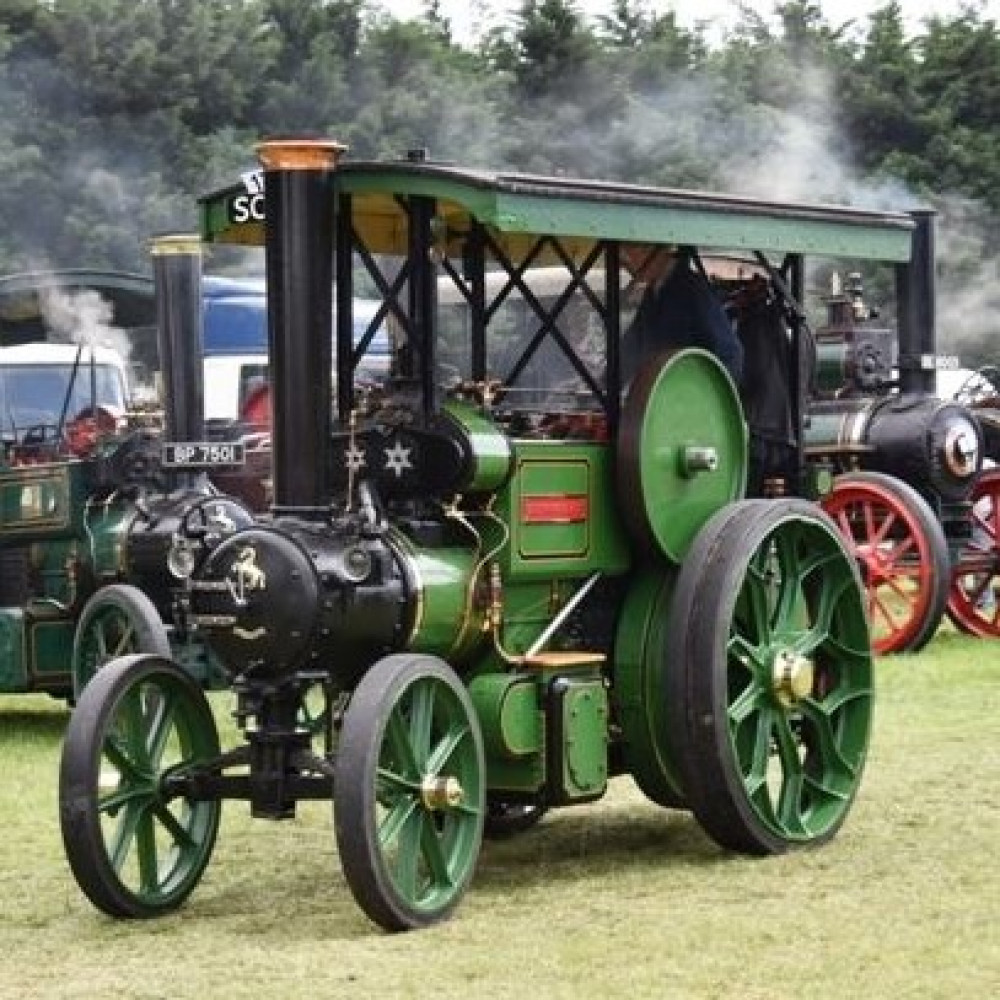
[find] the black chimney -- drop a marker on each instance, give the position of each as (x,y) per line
(916,287)
(180,339)
(298,244)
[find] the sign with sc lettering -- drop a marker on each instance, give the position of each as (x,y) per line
(203,454)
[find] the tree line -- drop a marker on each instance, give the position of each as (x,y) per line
(116,114)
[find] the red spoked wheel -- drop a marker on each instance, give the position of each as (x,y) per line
(902,553)
(973,603)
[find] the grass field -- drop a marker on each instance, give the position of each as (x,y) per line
(617,899)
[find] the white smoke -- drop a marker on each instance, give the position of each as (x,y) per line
(83,316)
(968,292)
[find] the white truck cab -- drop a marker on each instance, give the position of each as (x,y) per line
(44,384)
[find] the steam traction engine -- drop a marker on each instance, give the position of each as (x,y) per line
(94,522)
(505,606)
(908,461)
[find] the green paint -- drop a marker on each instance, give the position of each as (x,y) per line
(508,709)
(585,739)
(690,411)
(591,210)
(639,672)
(550,471)
(491,451)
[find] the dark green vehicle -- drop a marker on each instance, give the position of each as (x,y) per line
(547,551)
(92,513)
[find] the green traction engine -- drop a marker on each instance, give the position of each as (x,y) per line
(92,521)
(464,609)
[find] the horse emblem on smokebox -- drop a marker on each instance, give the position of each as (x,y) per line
(245,575)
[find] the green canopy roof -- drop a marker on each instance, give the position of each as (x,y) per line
(518,206)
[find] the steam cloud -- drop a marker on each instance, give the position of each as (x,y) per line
(83,316)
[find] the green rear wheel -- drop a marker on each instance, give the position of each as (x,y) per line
(137,849)
(770,690)
(117,620)
(410,791)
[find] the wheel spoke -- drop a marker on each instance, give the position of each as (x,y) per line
(159,724)
(830,597)
(400,747)
(133,724)
(753,698)
(421,718)
(434,856)
(393,780)
(447,745)
(146,852)
(876,536)
(789,809)
(755,593)
(832,758)
(792,571)
(120,758)
(124,835)
(125,642)
(755,769)
(179,834)
(407,866)
(394,821)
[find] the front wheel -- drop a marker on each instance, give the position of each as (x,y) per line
(117,620)
(136,848)
(410,791)
(770,683)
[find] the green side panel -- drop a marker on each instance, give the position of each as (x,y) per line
(13,672)
(541,533)
(50,645)
(511,720)
(585,739)
(559,506)
(490,446)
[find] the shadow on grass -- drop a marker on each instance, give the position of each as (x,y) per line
(295,891)
(602,842)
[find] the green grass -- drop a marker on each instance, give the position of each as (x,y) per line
(614,899)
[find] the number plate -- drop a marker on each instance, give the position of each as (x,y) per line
(203,454)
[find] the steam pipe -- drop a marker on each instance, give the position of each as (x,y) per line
(298,248)
(180,337)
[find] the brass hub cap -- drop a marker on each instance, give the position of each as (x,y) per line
(441,793)
(792,676)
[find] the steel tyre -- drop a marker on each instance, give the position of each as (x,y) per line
(136,850)
(770,689)
(410,791)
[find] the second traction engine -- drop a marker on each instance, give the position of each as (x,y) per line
(857,421)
